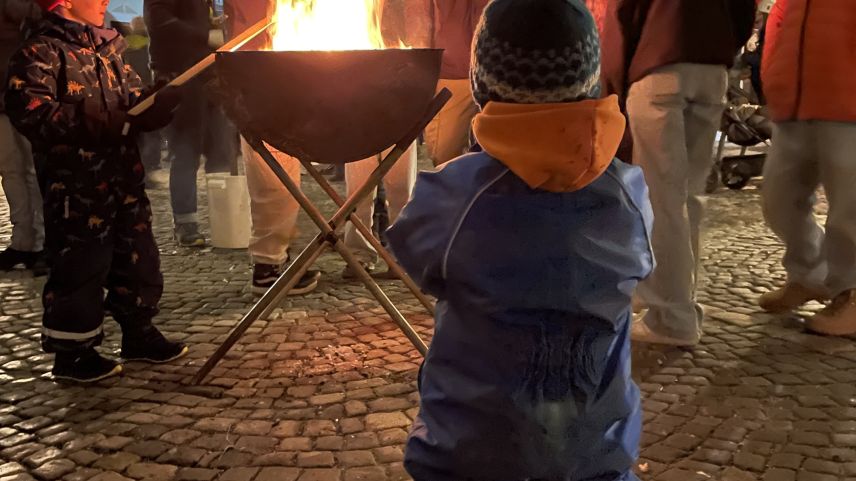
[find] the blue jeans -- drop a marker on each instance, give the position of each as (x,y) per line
(200,128)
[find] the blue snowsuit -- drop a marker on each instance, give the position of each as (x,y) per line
(528,374)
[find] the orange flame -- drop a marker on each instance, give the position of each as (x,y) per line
(302,25)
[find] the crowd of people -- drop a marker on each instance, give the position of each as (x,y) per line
(547,254)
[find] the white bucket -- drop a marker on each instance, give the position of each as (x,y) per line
(229,211)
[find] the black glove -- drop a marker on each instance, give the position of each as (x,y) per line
(110,124)
(158,115)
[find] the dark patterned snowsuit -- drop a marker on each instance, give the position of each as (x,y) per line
(97,214)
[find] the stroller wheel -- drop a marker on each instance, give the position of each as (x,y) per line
(735,175)
(736,182)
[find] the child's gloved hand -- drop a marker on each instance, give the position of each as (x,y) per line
(103,124)
(160,114)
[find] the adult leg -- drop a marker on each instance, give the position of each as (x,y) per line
(274,214)
(836,144)
(185,141)
(836,147)
(356,174)
(399,183)
(656,106)
(791,177)
(708,85)
(448,134)
(150,150)
(18,176)
(274,211)
(221,138)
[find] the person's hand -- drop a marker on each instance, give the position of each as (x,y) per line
(216,38)
(160,114)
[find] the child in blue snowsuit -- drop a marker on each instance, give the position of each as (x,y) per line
(533,248)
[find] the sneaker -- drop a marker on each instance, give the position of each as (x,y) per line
(86,366)
(788,298)
(150,345)
(264,276)
(838,319)
(640,332)
(12,258)
(187,235)
(350,274)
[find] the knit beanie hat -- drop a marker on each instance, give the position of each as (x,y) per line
(536,51)
(48,5)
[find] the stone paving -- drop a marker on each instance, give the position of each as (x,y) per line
(325,390)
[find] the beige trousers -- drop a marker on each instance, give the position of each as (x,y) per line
(273,209)
(398,185)
(804,156)
(674,115)
(448,135)
(18,176)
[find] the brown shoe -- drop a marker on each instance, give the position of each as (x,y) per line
(788,298)
(838,319)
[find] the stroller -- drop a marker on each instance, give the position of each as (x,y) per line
(746,125)
(744,122)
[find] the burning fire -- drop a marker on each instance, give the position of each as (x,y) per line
(327,25)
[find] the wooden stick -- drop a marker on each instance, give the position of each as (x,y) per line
(202,65)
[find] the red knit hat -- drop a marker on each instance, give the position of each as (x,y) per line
(48,4)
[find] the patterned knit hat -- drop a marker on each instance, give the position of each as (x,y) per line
(536,51)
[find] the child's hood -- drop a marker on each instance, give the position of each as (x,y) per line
(555,147)
(105,40)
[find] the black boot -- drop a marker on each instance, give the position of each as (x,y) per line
(149,345)
(84,366)
(11,258)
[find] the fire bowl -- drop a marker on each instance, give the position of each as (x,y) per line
(329,107)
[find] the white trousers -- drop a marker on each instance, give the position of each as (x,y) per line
(806,155)
(398,185)
(21,187)
(674,115)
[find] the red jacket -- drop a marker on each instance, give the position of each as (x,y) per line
(641,36)
(446,24)
(243,14)
(809,61)
(455,23)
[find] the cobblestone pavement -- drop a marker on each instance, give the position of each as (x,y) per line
(325,390)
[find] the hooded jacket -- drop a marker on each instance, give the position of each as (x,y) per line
(62,65)
(533,249)
(809,62)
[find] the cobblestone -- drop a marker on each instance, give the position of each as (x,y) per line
(326,388)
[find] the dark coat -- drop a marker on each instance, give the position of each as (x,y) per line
(178,30)
(55,79)
(641,36)
(13,14)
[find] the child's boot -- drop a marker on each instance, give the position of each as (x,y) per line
(84,366)
(149,345)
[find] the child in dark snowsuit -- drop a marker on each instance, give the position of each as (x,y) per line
(533,248)
(69,92)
